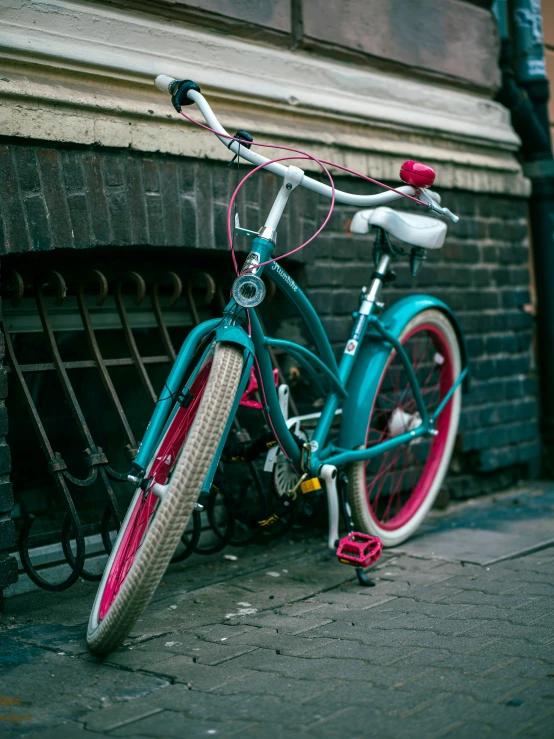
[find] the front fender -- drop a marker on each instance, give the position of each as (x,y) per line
(234,335)
(372,359)
(231,335)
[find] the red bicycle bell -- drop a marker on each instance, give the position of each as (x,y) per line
(417,174)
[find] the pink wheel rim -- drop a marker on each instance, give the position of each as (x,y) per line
(398,482)
(147,504)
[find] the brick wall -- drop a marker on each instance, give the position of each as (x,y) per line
(75,198)
(483,274)
(8,567)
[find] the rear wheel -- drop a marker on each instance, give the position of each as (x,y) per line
(154,525)
(391,494)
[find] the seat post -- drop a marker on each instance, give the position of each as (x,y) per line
(377,279)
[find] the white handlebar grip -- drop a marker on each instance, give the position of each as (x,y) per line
(454,218)
(162,82)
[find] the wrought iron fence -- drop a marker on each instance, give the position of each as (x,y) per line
(86,357)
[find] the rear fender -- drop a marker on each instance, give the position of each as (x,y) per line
(372,359)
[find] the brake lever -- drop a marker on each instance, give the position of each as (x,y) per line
(453,217)
(435,208)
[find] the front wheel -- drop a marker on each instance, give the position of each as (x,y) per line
(391,494)
(154,525)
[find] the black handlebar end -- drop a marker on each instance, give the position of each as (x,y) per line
(179,96)
(244,138)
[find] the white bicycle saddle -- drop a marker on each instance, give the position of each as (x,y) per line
(411,228)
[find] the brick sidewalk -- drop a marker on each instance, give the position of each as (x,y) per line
(284,642)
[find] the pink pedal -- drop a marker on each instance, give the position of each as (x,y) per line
(360,550)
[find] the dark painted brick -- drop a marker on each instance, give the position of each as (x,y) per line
(8,571)
(500,366)
(136,201)
(479,277)
(7,533)
(504,456)
(220,226)
(27,168)
(55,198)
(463,203)
(505,231)
(513,254)
(467,228)
(223,185)
(170,201)
(338,329)
(461,251)
(5,457)
(38,222)
(321,301)
(3,382)
(322,276)
(3,420)
(78,211)
(119,217)
(345,301)
(493,321)
(72,166)
(6,497)
(512,343)
(155,217)
(269,187)
(204,213)
(515,297)
(3,238)
(187,176)
(150,176)
(113,169)
(500,435)
(97,199)
(253,217)
(15,236)
(188,216)
(489,206)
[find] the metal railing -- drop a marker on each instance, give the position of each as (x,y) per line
(45,310)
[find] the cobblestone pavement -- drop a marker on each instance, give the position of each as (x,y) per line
(283,642)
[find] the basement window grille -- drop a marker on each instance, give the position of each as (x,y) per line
(87,355)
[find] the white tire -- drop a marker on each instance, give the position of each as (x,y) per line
(165,528)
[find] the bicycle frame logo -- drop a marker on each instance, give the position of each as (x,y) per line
(284,276)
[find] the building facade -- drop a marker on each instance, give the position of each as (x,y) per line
(113,207)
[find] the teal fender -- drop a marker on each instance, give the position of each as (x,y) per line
(231,335)
(371,361)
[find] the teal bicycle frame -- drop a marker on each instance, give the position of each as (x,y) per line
(353,382)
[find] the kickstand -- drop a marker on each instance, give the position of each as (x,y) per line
(363,579)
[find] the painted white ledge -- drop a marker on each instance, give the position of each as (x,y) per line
(82,72)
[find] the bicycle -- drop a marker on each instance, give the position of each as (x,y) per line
(395,395)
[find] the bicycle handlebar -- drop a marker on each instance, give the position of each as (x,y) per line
(170,85)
